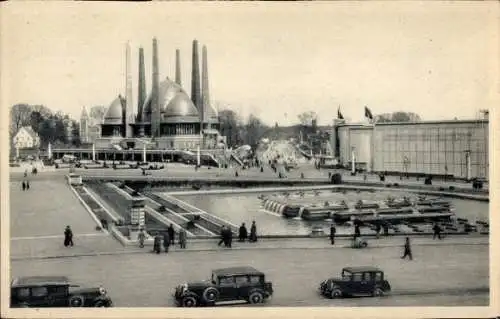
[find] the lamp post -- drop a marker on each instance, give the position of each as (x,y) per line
(353,161)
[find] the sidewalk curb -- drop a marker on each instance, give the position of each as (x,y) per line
(143,251)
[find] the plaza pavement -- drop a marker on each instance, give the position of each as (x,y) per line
(438,275)
(453,271)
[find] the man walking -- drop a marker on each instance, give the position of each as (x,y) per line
(166,241)
(68,237)
(243,233)
(437,231)
(141,237)
(171,234)
(332,233)
(222,235)
(182,238)
(24,186)
(407,249)
(253,232)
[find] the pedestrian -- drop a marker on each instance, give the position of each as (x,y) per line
(182,238)
(357,231)
(332,233)
(407,249)
(171,234)
(243,233)
(141,237)
(27,185)
(377,229)
(222,235)
(157,244)
(253,232)
(437,231)
(24,186)
(166,241)
(229,237)
(68,236)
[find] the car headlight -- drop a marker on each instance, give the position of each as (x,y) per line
(102,291)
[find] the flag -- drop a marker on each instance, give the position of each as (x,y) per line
(339,114)
(368,113)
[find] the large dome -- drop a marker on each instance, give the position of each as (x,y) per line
(114,114)
(175,104)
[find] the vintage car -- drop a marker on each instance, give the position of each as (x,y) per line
(227,284)
(54,291)
(356,281)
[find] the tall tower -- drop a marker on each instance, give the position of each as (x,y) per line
(205,88)
(129,108)
(178,77)
(141,95)
(155,107)
(84,126)
(195,77)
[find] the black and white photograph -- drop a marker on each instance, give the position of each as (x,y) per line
(249,157)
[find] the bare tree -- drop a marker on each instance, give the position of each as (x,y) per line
(20,115)
(307,118)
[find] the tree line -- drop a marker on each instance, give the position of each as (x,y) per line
(51,127)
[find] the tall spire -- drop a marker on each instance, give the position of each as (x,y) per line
(155,107)
(204,85)
(195,77)
(141,94)
(129,108)
(178,78)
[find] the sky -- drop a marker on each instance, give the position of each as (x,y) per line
(275,60)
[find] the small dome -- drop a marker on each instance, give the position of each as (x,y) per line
(114,114)
(181,105)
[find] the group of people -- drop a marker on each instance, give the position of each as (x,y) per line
(167,238)
(226,235)
(25,185)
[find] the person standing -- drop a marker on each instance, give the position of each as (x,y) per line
(27,185)
(229,237)
(253,232)
(157,243)
(171,234)
(141,237)
(407,249)
(243,233)
(24,186)
(68,237)
(377,229)
(182,238)
(333,230)
(222,235)
(166,241)
(437,231)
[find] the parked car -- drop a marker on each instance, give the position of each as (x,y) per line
(54,291)
(227,284)
(356,281)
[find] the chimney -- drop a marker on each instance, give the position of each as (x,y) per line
(141,96)
(204,86)
(195,77)
(129,109)
(155,107)
(178,76)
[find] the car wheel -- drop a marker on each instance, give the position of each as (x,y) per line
(378,292)
(256,297)
(189,301)
(99,303)
(76,301)
(210,295)
(336,293)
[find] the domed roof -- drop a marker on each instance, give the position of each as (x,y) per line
(174,102)
(181,105)
(114,114)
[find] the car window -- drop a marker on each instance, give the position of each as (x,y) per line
(367,276)
(23,292)
(378,276)
(226,281)
(346,275)
(357,277)
(254,279)
(39,291)
(58,290)
(241,280)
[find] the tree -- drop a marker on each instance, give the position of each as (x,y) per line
(307,118)
(399,116)
(254,130)
(230,127)
(20,115)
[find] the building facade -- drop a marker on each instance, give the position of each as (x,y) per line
(458,147)
(26,137)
